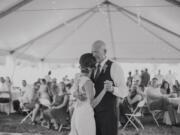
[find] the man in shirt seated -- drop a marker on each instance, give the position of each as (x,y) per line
(26,95)
(157,101)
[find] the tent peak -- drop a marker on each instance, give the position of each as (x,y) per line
(42,59)
(106,2)
(12,51)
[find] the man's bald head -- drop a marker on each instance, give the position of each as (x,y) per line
(99,44)
(99,50)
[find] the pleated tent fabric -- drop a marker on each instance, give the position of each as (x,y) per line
(59,31)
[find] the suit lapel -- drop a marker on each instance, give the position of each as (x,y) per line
(101,72)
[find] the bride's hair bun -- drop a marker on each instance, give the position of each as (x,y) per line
(86,61)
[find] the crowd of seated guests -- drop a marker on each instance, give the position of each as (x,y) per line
(47,99)
(158,98)
(51,102)
(58,112)
(161,93)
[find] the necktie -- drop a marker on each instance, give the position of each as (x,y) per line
(98,71)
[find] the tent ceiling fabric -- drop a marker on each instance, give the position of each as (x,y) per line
(132,40)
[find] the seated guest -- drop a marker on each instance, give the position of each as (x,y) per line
(58,113)
(129,103)
(141,88)
(44,97)
(8,82)
(26,96)
(165,89)
(52,88)
(43,100)
(4,86)
(33,104)
(25,87)
(4,97)
(157,101)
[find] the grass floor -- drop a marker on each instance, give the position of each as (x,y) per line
(12,124)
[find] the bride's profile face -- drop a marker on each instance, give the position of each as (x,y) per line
(86,70)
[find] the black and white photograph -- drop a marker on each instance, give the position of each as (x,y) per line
(89,67)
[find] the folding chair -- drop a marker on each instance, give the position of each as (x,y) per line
(28,114)
(66,125)
(154,113)
(134,117)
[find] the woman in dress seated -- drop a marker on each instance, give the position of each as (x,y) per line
(43,102)
(172,97)
(58,113)
(129,103)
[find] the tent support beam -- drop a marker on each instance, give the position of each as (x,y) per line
(150,31)
(68,36)
(14,8)
(145,20)
(121,59)
(53,29)
(111,29)
(174,2)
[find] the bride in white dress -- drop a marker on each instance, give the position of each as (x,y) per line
(83,122)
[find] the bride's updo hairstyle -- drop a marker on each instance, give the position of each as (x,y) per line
(86,61)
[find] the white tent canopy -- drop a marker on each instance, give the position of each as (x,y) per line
(62,30)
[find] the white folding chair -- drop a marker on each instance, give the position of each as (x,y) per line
(134,117)
(29,114)
(155,113)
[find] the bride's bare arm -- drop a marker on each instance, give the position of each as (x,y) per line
(98,99)
(89,87)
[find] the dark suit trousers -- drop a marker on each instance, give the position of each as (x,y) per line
(106,123)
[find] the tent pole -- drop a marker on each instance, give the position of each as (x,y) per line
(150,31)
(145,19)
(111,29)
(53,29)
(14,8)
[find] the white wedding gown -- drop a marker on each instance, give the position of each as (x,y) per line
(83,122)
